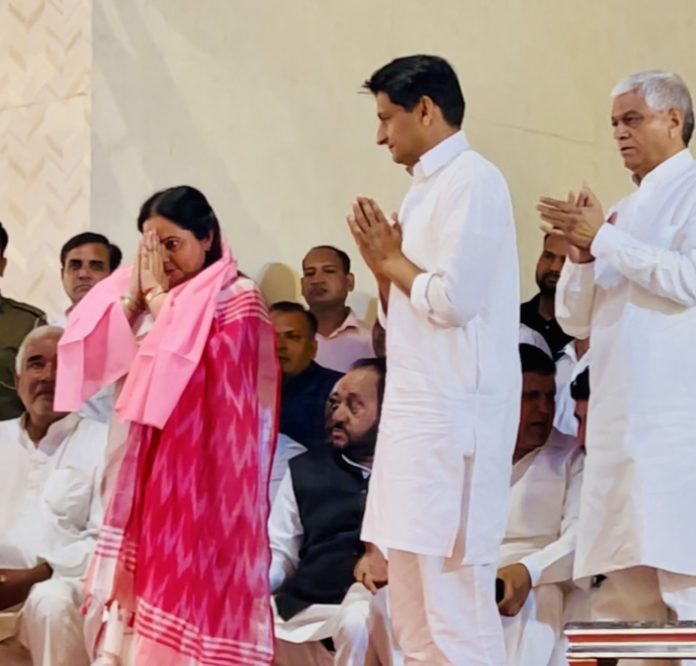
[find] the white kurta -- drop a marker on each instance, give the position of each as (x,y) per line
(453,383)
(568,367)
(543,514)
(285,533)
(50,512)
(541,534)
(637,302)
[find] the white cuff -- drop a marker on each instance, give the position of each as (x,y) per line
(533,568)
(607,240)
(419,294)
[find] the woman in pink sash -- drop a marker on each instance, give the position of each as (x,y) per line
(182,560)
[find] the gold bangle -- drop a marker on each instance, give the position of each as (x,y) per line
(153,294)
(130,304)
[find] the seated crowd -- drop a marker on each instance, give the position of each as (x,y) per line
(329,587)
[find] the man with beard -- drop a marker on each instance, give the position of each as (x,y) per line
(539,313)
(315,531)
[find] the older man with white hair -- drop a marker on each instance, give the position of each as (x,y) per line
(50,514)
(630,284)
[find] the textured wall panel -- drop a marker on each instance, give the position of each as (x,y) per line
(45,74)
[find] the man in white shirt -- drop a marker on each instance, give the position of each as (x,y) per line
(50,514)
(448,280)
(630,285)
(314,531)
(85,260)
(327,280)
(537,552)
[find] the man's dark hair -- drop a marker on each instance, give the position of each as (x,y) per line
(342,256)
(407,80)
(379,365)
(580,387)
(4,239)
(115,256)
(290,306)
(87,238)
(534,359)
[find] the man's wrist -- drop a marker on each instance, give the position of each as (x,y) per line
(389,267)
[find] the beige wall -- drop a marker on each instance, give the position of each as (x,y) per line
(255,102)
(45,65)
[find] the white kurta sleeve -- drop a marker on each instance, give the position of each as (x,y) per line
(285,533)
(667,273)
(554,563)
(70,560)
(475,220)
(575,298)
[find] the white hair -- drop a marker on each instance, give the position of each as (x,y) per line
(34,334)
(661,90)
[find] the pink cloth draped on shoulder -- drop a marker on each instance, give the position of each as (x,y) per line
(184,549)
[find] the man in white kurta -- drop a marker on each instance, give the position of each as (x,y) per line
(50,514)
(536,563)
(631,286)
(448,280)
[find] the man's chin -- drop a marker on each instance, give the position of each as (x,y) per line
(339,442)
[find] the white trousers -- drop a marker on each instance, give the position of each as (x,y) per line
(50,629)
(645,594)
(534,636)
(346,624)
(444,614)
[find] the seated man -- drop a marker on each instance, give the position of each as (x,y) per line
(315,531)
(539,545)
(85,260)
(16,320)
(326,282)
(306,385)
(50,514)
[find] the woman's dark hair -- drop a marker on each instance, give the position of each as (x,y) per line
(188,208)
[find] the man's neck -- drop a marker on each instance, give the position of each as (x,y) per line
(38,427)
(331,318)
(547,306)
(442,134)
(638,176)
(363,461)
(301,373)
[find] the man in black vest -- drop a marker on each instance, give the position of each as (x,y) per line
(315,531)
(539,313)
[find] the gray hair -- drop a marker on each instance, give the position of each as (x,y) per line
(34,334)
(661,90)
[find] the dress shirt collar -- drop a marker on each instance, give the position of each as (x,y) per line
(56,434)
(441,155)
(365,471)
(668,169)
(350,322)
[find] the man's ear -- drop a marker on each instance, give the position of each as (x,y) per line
(350,280)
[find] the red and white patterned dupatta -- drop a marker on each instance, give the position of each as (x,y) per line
(183,556)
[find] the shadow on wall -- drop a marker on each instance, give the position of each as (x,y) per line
(125,69)
(279,282)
